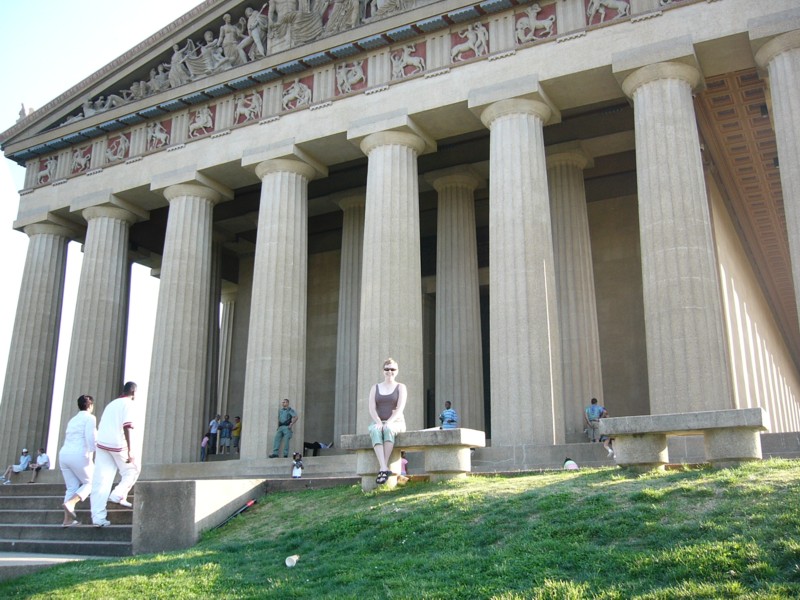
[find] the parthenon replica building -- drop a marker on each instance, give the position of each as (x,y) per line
(526,204)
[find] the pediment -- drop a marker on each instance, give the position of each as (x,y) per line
(214,50)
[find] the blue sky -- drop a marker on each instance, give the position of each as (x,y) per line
(46,48)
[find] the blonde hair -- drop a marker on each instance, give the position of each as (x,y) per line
(389,361)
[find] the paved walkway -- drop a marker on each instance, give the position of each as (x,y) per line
(16,564)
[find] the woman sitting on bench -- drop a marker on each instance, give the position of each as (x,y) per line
(386,403)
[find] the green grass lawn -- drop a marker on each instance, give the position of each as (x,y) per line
(594,533)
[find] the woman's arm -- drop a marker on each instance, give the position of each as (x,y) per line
(373,411)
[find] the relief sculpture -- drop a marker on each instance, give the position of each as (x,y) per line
(600,6)
(278,25)
(476,40)
(296,95)
(528,25)
(403,58)
(348,75)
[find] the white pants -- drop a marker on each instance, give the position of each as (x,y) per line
(106,465)
(77,471)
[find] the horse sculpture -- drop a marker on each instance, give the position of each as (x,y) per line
(348,75)
(527,26)
(622,7)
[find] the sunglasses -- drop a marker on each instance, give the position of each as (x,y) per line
(389,369)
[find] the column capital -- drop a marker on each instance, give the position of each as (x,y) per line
(285,165)
(388,138)
(110,212)
(516,106)
(569,154)
(777,45)
(192,189)
(465,177)
(356,198)
(663,70)
(48,229)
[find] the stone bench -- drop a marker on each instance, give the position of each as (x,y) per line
(729,436)
(447,453)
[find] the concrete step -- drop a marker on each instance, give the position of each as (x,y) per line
(87,548)
(56,516)
(20,564)
(57,533)
(33,489)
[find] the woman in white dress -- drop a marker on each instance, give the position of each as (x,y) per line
(75,458)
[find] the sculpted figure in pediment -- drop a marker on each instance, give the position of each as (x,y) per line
(378,9)
(178,73)
(205,58)
(476,39)
(292,24)
(344,15)
(230,36)
(159,79)
(254,30)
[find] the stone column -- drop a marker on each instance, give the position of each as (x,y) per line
(523,314)
(180,346)
(28,389)
(459,354)
(212,406)
(577,308)
(686,359)
(345,406)
(781,57)
(391,285)
(97,351)
(228,299)
(276,346)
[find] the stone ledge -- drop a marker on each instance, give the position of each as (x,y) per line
(418,440)
(690,423)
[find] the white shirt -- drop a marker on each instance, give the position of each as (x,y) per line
(43,460)
(117,416)
(81,434)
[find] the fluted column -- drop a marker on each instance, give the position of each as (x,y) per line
(781,57)
(276,345)
(523,314)
(180,346)
(686,360)
(212,406)
(459,354)
(97,350)
(228,298)
(345,405)
(28,389)
(577,308)
(391,286)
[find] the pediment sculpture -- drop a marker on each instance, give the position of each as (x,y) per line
(277,26)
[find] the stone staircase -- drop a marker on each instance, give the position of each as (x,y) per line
(31,517)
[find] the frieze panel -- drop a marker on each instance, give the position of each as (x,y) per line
(297,93)
(600,11)
(158,134)
(350,77)
(469,43)
(248,107)
(536,23)
(47,170)
(201,121)
(117,148)
(81,160)
(408,60)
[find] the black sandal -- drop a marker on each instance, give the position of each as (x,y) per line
(382,477)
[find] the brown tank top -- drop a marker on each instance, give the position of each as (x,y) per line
(385,404)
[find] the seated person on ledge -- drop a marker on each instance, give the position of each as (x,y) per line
(24,461)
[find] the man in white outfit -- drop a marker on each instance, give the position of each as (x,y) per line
(114,454)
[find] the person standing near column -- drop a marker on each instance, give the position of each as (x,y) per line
(591,417)
(237,434)
(287,417)
(213,428)
(75,457)
(114,454)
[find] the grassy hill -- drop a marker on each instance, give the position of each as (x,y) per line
(595,533)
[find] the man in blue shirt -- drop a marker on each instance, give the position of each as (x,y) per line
(449,417)
(591,417)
